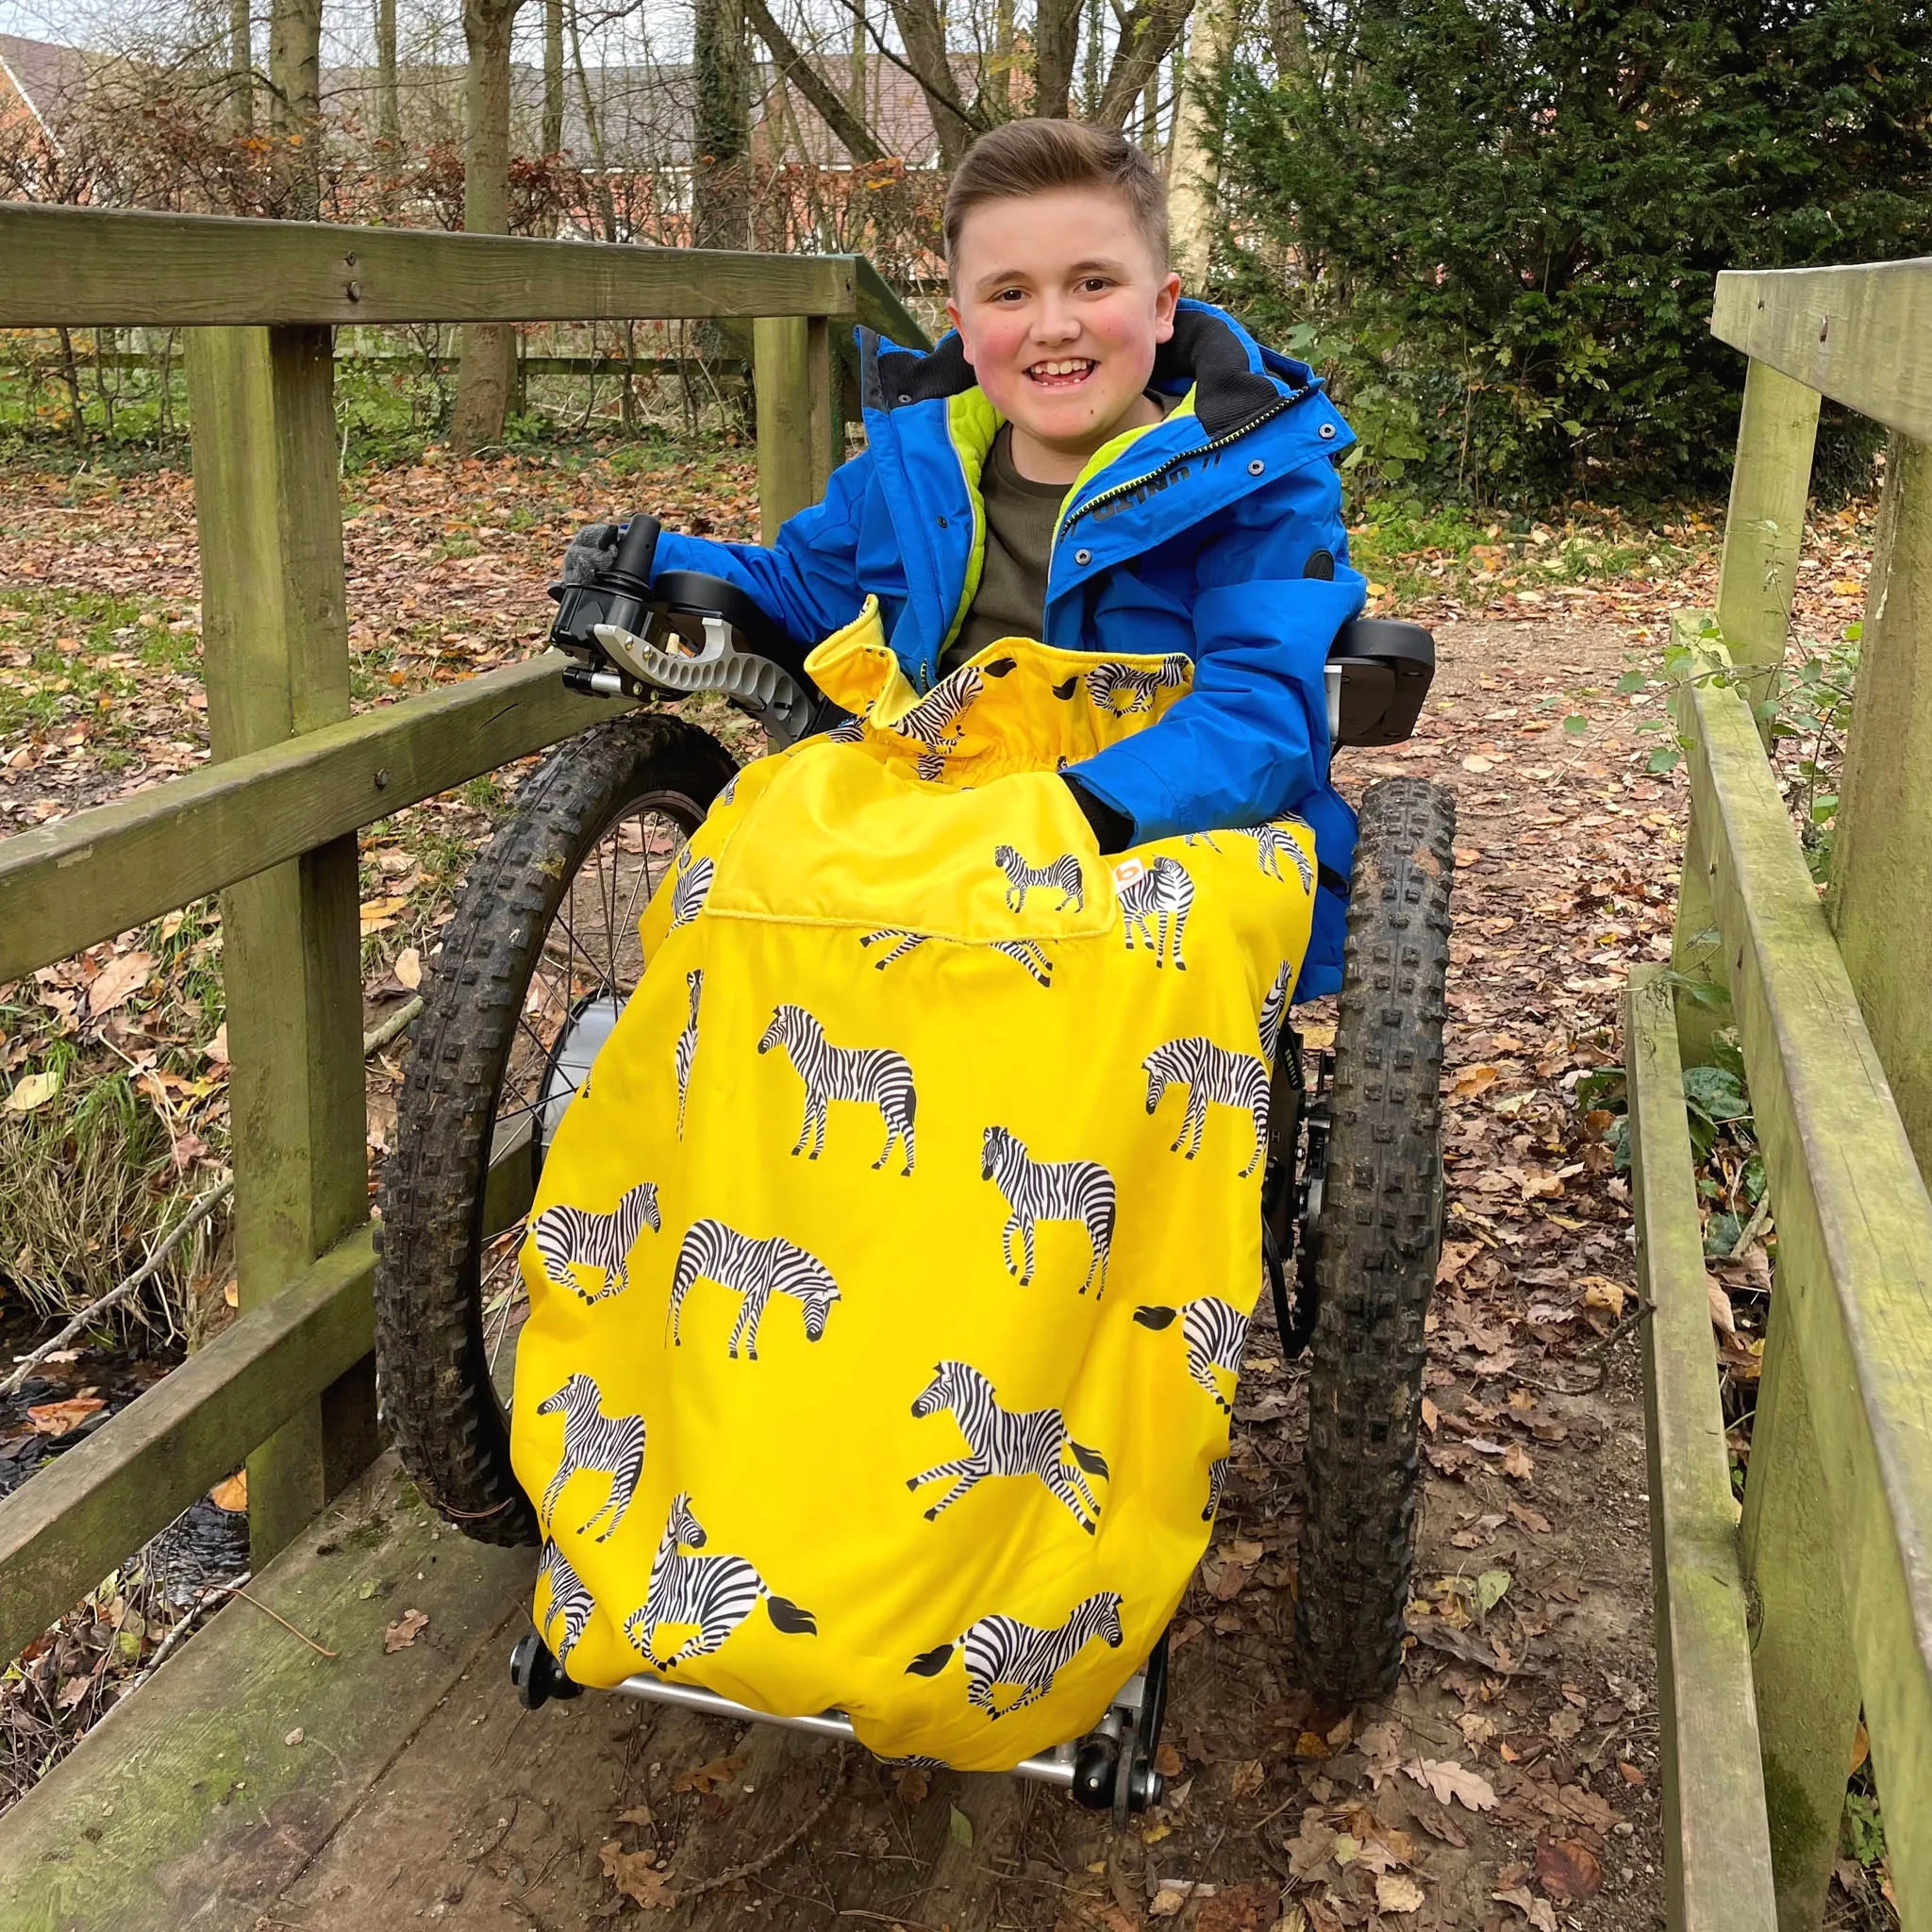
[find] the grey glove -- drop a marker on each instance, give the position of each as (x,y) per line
(592,552)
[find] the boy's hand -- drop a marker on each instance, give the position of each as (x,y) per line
(592,552)
(1113,830)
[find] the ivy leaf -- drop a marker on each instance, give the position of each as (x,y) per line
(1576,724)
(1666,757)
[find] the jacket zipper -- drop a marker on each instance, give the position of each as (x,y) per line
(1186,456)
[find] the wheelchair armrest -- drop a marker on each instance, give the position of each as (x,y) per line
(1378,674)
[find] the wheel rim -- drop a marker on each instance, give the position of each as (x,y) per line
(586,967)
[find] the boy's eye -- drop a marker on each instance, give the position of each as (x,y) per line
(1010,295)
(1096,285)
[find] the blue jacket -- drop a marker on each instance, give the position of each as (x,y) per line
(1217,532)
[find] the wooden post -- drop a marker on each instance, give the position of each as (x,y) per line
(827,400)
(1881,886)
(1807,1686)
(276,640)
(1697,950)
(789,465)
(1771,482)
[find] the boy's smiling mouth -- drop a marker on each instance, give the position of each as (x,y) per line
(1064,371)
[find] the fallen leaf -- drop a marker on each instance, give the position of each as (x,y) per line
(1539,1911)
(1249,1776)
(1432,1416)
(294,1737)
(217,1048)
(1477,763)
(1722,1317)
(912,1784)
(1167,1761)
(1567,1870)
(73,1692)
(1167,1902)
(1472,1081)
(1516,1462)
(1607,1295)
(638,1814)
(118,981)
(1381,1745)
(959,1826)
(710,1775)
(408,968)
(634,1873)
(1238,1908)
(35,1091)
(404,1631)
(60,1418)
(1447,1779)
(1397,1893)
(231,1494)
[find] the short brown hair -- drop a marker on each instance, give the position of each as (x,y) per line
(1024,158)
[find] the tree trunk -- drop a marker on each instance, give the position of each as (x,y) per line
(241,68)
(389,107)
(1194,179)
(1001,92)
(721,129)
(1056,43)
(846,123)
(552,76)
(1149,30)
(1287,27)
(855,80)
(1089,80)
(486,348)
(593,133)
(294,73)
(925,34)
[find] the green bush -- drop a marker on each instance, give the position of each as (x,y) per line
(1498,223)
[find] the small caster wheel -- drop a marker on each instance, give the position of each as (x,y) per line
(536,1674)
(1095,1770)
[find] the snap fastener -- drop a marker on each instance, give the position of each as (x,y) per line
(1327,428)
(1256,468)
(905,396)
(1083,556)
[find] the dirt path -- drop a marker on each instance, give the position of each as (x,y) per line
(1535,1706)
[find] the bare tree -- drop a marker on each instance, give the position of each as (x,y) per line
(241,68)
(552,138)
(1148,31)
(721,126)
(294,75)
(1194,173)
(1056,43)
(846,120)
(487,348)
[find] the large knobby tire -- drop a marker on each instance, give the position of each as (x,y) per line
(475,1038)
(1380,1230)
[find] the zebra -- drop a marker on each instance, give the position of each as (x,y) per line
(1106,680)
(1274,1011)
(1272,841)
(712,1252)
(569,1596)
(1029,953)
(729,792)
(1005,1441)
(847,731)
(690,890)
(933,720)
(688,1042)
(1002,1649)
(1213,1076)
(715,1593)
(1062,873)
(564,1237)
(1164,892)
(1037,1190)
(875,1075)
(611,1445)
(1206,838)
(1217,1481)
(1215,1332)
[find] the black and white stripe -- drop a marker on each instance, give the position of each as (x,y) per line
(570,1597)
(1005,1441)
(1272,841)
(688,894)
(566,1237)
(873,1076)
(1215,1333)
(1163,893)
(1217,1482)
(1003,1650)
(1062,874)
(1274,1011)
(755,1270)
(1105,683)
(611,1445)
(1036,1190)
(1029,953)
(933,720)
(714,1593)
(688,1042)
(1213,1077)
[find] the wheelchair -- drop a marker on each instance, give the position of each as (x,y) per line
(542,950)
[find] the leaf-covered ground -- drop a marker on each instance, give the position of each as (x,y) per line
(1513,1777)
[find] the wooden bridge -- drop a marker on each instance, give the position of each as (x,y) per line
(260,1786)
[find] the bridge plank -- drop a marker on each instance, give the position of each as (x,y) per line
(1716,1842)
(1854,1239)
(160,848)
(74,1522)
(90,267)
(189,1806)
(1857,334)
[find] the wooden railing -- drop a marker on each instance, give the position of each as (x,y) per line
(271,822)
(1775,1632)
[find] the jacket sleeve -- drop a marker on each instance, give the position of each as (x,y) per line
(1250,740)
(807,580)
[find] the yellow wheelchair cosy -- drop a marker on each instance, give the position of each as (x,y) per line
(888,1273)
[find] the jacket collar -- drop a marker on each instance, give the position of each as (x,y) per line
(1234,380)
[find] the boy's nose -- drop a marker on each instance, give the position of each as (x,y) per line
(1056,325)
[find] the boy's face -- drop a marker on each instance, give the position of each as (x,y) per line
(1059,304)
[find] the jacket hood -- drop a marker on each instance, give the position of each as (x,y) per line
(1234,380)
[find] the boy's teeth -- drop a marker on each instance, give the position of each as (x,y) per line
(1075,368)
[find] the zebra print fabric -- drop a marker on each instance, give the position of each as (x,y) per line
(875,1075)
(755,1269)
(1038,1190)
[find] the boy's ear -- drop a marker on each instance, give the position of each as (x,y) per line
(1169,294)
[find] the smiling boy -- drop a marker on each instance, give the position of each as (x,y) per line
(1093,461)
